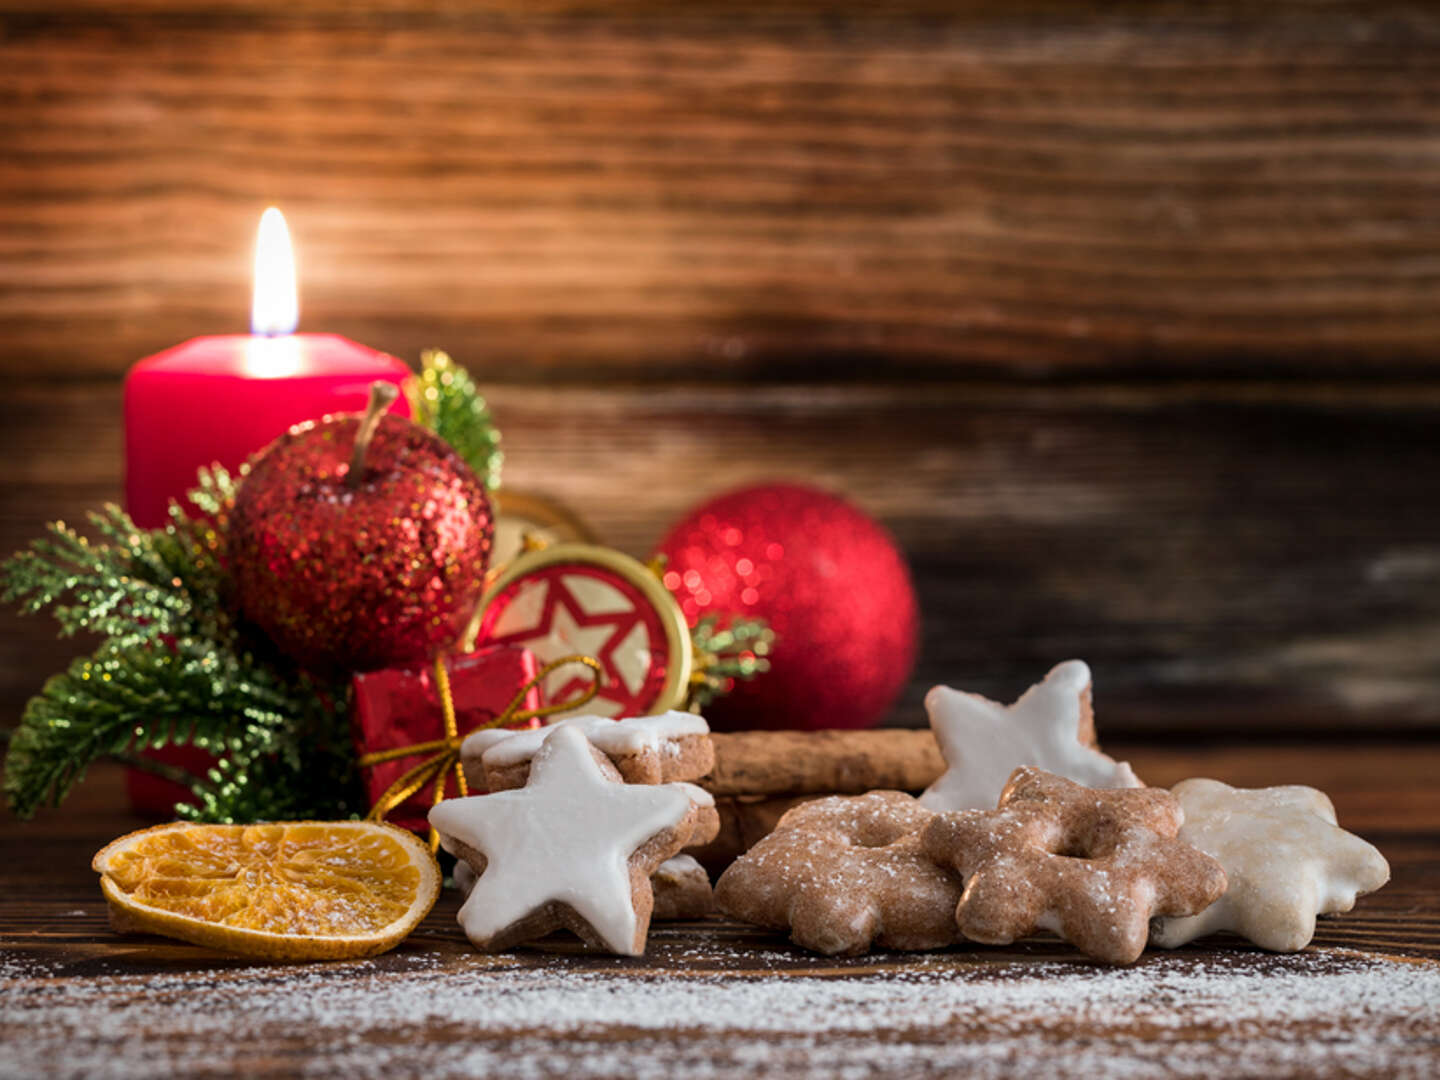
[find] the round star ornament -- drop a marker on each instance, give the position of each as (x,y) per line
(593,600)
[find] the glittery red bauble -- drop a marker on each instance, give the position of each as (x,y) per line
(354,579)
(831,583)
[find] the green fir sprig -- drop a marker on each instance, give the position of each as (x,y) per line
(727,651)
(130,586)
(451,404)
(174,666)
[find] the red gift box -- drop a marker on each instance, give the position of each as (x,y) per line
(155,796)
(399,707)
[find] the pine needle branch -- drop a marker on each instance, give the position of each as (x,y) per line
(133,585)
(175,667)
(727,651)
(451,404)
(129,698)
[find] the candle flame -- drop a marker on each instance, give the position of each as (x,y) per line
(275,307)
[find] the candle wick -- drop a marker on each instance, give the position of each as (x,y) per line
(382,395)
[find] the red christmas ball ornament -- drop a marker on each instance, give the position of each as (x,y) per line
(831,583)
(360,543)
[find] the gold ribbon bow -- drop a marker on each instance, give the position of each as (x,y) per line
(445,753)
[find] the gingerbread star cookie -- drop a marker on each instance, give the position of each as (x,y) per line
(1050,727)
(680,886)
(1091,866)
(1286,858)
(574,848)
(646,749)
(843,873)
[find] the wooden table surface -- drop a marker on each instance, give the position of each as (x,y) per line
(717,998)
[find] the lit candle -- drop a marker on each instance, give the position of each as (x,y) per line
(221,398)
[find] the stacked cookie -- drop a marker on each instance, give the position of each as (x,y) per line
(582,829)
(1074,844)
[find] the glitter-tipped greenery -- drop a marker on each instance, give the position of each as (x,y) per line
(449,402)
(173,666)
(176,665)
(738,649)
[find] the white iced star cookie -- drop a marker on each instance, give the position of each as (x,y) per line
(680,886)
(1286,859)
(983,742)
(574,848)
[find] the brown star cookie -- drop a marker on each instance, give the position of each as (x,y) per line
(661,749)
(680,887)
(1093,866)
(843,873)
(682,890)
(574,848)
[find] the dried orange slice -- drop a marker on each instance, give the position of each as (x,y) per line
(294,890)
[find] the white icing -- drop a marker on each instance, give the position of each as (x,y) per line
(566,836)
(698,795)
(679,867)
(499,747)
(1286,859)
(1049,920)
(983,742)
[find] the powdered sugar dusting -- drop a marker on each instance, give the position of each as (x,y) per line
(446,1014)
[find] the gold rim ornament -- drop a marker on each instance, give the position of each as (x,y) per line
(584,598)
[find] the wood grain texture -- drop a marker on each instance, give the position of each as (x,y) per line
(101,1004)
(733,191)
(697,245)
(1260,557)
(832,762)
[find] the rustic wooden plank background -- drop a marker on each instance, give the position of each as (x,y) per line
(1123,316)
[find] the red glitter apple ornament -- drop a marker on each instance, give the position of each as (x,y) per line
(360,542)
(828,579)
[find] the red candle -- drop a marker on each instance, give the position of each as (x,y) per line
(221,398)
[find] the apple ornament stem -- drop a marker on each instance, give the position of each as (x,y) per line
(360,542)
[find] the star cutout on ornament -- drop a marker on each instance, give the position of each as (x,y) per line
(569,613)
(1286,858)
(1049,728)
(567,636)
(574,848)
